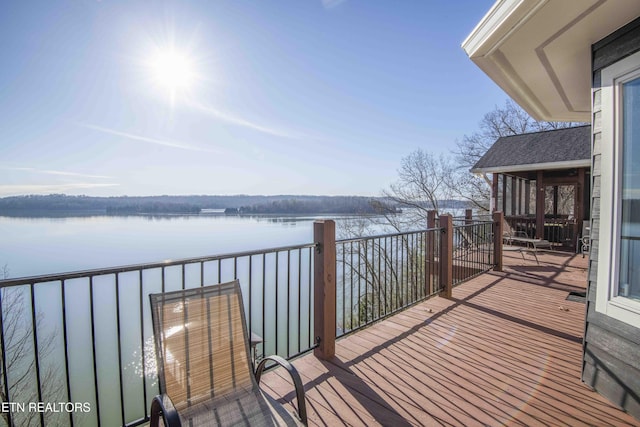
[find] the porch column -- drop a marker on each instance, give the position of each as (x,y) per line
(514,193)
(539,206)
(579,200)
(324,292)
(498,221)
(446,256)
(494,192)
(468,216)
(527,197)
(520,195)
(503,208)
(431,251)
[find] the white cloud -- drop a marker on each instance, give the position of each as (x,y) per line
(20,189)
(237,121)
(54,172)
(134,137)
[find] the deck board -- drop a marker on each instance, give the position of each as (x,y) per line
(505,350)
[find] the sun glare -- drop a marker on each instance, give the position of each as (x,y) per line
(172,74)
(172,71)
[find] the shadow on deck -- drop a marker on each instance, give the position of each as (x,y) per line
(506,350)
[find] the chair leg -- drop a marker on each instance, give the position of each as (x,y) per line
(161,406)
(295,377)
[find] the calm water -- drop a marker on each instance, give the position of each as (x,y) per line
(34,246)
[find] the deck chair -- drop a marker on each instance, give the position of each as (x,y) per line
(584,239)
(508,233)
(204,368)
(585,242)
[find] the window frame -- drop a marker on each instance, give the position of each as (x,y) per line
(607,299)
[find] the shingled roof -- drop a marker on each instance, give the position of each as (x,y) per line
(553,149)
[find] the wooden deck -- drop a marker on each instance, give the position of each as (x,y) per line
(506,350)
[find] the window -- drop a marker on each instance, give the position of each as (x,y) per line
(629,262)
(618,290)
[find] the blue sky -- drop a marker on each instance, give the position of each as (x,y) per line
(252,97)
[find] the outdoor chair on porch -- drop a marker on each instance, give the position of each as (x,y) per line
(509,234)
(204,368)
(585,242)
(519,241)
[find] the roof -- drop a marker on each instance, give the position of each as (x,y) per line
(539,51)
(553,149)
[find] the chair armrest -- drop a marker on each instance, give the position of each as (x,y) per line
(162,405)
(297,382)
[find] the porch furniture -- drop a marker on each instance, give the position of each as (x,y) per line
(524,243)
(534,244)
(509,233)
(586,242)
(204,367)
(520,249)
(532,249)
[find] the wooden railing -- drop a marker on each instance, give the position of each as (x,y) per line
(373,277)
(84,338)
(561,232)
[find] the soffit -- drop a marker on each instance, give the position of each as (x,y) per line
(534,167)
(539,51)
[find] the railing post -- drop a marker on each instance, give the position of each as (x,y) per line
(468,216)
(498,221)
(446,255)
(324,293)
(431,252)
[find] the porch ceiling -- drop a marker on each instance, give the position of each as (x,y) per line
(539,51)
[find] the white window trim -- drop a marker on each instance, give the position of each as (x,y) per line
(607,299)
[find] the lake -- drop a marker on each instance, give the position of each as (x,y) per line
(46,245)
(106,350)
(103,358)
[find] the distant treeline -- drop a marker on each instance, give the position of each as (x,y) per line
(338,205)
(244,204)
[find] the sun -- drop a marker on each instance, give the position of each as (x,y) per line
(172,71)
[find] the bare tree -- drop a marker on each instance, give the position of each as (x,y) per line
(423,183)
(384,274)
(565,200)
(384,281)
(426,179)
(502,121)
(19,358)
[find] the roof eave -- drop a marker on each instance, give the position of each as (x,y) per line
(483,43)
(570,164)
(539,51)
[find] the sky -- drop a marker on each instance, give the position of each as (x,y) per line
(110,98)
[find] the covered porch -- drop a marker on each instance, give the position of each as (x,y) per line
(540,181)
(505,350)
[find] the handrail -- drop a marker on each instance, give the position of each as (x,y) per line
(379,275)
(101,323)
(89,330)
(143,266)
(378,236)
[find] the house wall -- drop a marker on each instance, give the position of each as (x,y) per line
(611,363)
